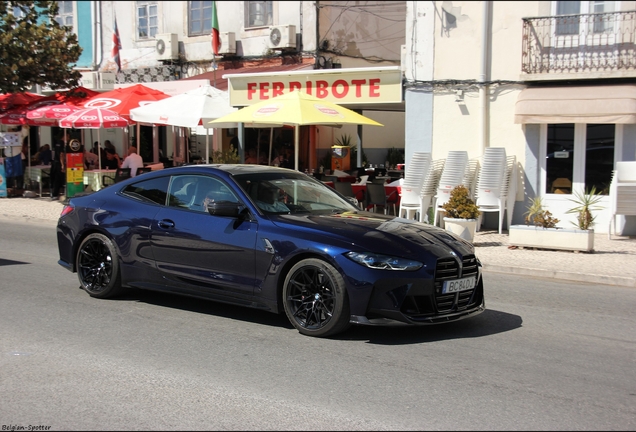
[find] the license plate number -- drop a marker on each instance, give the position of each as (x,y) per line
(458,285)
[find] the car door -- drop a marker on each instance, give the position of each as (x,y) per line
(196,251)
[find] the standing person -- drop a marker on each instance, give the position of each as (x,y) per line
(109,145)
(58,170)
(133,161)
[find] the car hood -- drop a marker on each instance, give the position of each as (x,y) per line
(375,232)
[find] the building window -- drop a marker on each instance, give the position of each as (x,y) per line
(147,19)
(199,18)
(64,15)
(259,13)
(579,154)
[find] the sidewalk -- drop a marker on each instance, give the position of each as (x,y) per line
(612,262)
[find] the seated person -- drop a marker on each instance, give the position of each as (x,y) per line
(46,155)
(90,160)
(251,156)
(112,160)
(133,161)
(268,200)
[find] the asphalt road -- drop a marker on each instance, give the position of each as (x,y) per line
(544,356)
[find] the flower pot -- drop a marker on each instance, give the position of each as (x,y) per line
(551,238)
(464,228)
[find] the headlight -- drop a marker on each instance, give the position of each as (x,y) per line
(383,262)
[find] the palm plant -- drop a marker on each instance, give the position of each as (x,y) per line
(538,216)
(586,203)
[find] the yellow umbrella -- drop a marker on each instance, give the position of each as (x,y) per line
(294,109)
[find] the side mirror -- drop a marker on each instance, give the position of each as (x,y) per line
(354,201)
(225,208)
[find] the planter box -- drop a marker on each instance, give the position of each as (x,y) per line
(464,228)
(551,238)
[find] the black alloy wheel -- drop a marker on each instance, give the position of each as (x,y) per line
(315,298)
(98,266)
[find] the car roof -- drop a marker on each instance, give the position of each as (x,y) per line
(235,169)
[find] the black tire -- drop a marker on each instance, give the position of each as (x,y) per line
(315,298)
(98,267)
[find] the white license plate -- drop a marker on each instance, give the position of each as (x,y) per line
(453,286)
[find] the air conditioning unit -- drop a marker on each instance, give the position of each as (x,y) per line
(167,46)
(282,36)
(228,43)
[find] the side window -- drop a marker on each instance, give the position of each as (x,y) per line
(153,190)
(182,190)
(194,192)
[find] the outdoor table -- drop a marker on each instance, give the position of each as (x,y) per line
(36,172)
(154,166)
(93,178)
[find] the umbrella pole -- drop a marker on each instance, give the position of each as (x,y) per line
(271,139)
(207,145)
(258,147)
(296,145)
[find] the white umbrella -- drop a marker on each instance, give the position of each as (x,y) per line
(190,109)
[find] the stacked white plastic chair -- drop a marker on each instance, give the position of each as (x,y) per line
(622,193)
(416,172)
(429,188)
(453,174)
(492,184)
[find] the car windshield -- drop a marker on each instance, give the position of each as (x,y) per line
(285,193)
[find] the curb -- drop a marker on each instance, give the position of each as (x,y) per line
(560,275)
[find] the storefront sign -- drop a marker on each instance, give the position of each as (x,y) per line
(340,86)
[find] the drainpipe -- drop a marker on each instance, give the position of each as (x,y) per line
(483,89)
(317,34)
(100,41)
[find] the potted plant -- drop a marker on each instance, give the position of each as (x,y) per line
(541,230)
(461,213)
(585,203)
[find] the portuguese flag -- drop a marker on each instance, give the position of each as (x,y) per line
(216,40)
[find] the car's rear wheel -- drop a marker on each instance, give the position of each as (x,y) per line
(98,266)
(315,298)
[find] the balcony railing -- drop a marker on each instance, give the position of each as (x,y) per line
(602,42)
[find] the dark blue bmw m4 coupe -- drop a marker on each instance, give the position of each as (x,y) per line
(268,238)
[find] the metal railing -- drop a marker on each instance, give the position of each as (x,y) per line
(601,42)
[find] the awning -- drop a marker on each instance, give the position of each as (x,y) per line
(590,104)
(217,80)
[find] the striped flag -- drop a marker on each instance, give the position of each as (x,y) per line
(116,47)
(216,40)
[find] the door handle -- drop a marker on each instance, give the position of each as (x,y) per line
(166,224)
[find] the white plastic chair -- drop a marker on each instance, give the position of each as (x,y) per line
(416,172)
(453,174)
(430,186)
(496,189)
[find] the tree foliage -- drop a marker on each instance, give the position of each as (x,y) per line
(35,49)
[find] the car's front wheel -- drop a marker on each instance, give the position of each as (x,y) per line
(315,298)
(98,266)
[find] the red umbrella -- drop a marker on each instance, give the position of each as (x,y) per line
(10,100)
(93,118)
(18,115)
(122,100)
(50,115)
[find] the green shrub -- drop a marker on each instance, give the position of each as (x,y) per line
(460,205)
